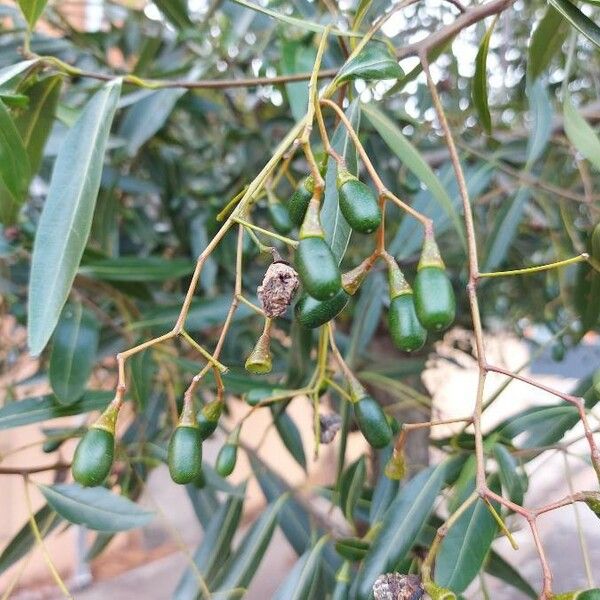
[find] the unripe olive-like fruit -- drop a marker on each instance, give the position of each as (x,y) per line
(404,326)
(359,206)
(318,268)
(298,202)
(313,313)
(280,218)
(434,298)
(226,460)
(93,457)
(185,454)
(372,422)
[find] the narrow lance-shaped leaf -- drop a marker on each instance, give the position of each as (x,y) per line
(297,585)
(66,219)
(540,108)
(46,519)
(73,353)
(480,88)
(9,73)
(14,168)
(95,507)
(545,42)
(401,525)
(239,570)
(297,58)
(373,63)
(337,230)
(42,408)
(580,133)
(35,123)
(414,162)
(148,116)
(580,21)
(214,548)
(32,9)
(465,547)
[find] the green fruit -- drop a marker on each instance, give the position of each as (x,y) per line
(407,332)
(359,206)
(298,202)
(318,268)
(313,313)
(280,218)
(372,422)
(434,298)
(226,460)
(94,457)
(590,595)
(185,454)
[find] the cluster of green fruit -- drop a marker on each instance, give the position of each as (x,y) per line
(429,306)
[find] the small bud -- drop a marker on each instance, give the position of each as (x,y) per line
(259,362)
(396,466)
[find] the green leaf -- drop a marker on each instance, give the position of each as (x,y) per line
(289,434)
(465,547)
(498,567)
(373,63)
(47,520)
(587,287)
(175,11)
(337,230)
(401,525)
(545,42)
(42,408)
(541,115)
(66,219)
(9,73)
(580,133)
(146,117)
(505,229)
(73,353)
(96,507)
(367,314)
(480,91)
(35,123)
(580,21)
(213,550)
(510,478)
(414,162)
(297,58)
(32,9)
(131,268)
(14,168)
(298,583)
(142,375)
(238,571)
(300,23)
(351,487)
(293,518)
